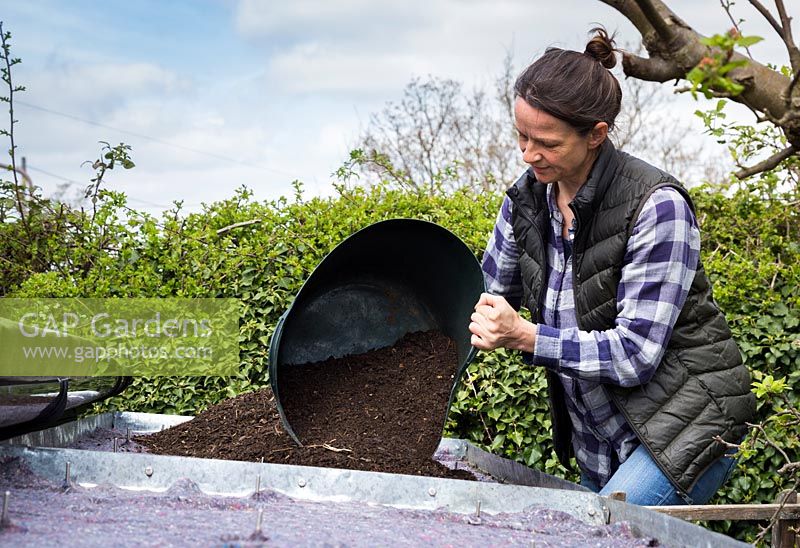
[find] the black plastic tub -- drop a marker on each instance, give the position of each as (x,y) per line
(389,279)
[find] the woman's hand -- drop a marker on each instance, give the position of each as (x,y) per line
(496,324)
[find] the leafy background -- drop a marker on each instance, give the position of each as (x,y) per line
(750,250)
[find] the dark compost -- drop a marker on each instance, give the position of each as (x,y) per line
(379,411)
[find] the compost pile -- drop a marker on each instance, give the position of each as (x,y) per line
(380,411)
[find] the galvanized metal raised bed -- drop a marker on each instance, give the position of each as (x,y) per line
(519,487)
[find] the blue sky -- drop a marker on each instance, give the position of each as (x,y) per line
(261,93)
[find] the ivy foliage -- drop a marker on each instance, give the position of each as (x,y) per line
(751,251)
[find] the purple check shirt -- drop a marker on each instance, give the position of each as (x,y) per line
(659,265)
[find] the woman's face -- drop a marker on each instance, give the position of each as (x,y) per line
(555,151)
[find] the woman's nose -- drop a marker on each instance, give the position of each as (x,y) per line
(531,154)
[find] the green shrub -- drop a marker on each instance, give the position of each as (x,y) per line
(752,254)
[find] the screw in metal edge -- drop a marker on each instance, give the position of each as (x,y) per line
(432,491)
(301,482)
(257,535)
(4,521)
(476,519)
(148,471)
(67,484)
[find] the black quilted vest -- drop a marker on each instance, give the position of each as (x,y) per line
(700,389)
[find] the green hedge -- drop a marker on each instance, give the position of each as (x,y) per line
(264,264)
(750,249)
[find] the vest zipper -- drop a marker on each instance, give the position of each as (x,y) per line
(576,271)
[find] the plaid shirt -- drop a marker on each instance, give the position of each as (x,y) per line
(659,265)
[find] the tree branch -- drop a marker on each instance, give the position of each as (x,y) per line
(726,5)
(632,13)
(720,94)
(794,52)
(789,467)
(765,89)
(228,228)
(784,498)
(656,20)
(652,69)
(770,163)
(760,117)
(784,29)
(787,95)
(7,78)
(768,16)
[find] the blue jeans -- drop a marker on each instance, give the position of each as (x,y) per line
(645,484)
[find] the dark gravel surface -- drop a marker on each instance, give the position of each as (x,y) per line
(45,514)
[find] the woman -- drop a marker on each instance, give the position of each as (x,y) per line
(603,249)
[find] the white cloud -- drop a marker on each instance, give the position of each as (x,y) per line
(367,48)
(184,144)
(346,20)
(314,68)
(99,85)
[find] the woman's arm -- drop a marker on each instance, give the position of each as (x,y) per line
(659,266)
(501,259)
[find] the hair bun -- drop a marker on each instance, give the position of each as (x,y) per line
(601,47)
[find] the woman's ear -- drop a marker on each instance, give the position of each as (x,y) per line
(598,134)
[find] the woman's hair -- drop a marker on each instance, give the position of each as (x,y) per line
(575,87)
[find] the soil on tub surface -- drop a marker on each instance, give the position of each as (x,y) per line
(381,411)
